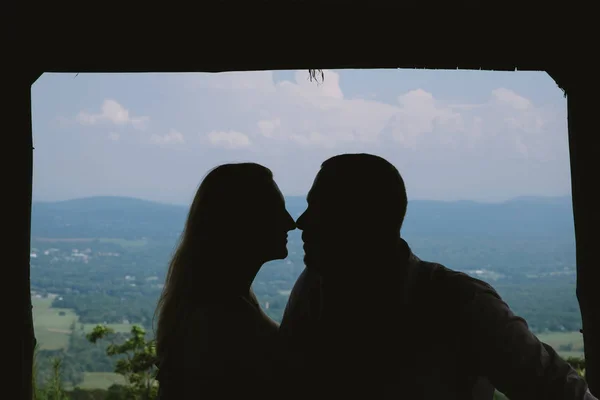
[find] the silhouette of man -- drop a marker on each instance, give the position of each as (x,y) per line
(366,315)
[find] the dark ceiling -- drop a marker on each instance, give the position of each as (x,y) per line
(258,35)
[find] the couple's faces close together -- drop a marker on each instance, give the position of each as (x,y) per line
(270,224)
(321,222)
(244,197)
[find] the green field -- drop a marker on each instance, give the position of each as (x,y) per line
(100,380)
(567,344)
(52,325)
(52,328)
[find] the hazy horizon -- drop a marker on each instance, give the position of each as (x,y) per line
(304,197)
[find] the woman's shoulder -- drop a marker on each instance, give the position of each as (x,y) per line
(221,339)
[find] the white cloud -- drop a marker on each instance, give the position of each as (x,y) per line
(314,139)
(229,139)
(172,137)
(270,128)
(233,81)
(420,114)
(112,112)
(502,95)
(301,112)
(490,143)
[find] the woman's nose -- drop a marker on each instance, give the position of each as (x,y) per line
(291,223)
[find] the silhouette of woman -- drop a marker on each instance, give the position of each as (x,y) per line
(212,334)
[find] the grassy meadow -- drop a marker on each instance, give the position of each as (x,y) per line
(99,380)
(54,325)
(567,344)
(52,329)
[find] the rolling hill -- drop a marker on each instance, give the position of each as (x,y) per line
(132,218)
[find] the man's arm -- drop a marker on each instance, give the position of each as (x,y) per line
(510,355)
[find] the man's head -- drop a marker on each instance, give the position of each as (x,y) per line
(357,204)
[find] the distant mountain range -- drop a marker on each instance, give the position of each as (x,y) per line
(125,217)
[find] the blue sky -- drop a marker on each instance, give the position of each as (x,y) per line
(476,135)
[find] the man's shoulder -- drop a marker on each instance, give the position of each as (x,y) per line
(442,273)
(454,284)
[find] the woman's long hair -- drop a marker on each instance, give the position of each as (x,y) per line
(193,278)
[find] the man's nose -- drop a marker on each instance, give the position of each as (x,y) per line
(300,222)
